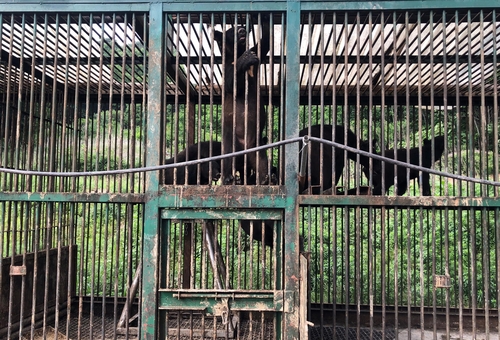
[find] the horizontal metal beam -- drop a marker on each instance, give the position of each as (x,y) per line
(311,5)
(426,202)
(239,300)
(235,5)
(191,214)
(72,197)
(74,6)
(223,196)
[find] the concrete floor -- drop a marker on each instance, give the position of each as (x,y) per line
(416,334)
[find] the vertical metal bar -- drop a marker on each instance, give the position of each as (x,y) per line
(200,91)
(100,30)
(396,269)
(395,106)
(119,127)
(12,222)
(2,180)
(211,171)
(484,119)
(24,250)
(419,144)
(63,138)
(6,183)
(175,124)
(246,161)
(59,224)
(333,209)
(372,266)
(309,105)
(322,95)
(496,133)
(495,157)
(116,243)
(282,94)
(471,188)
(104,223)
(484,189)
(85,149)
(259,73)
(291,237)
(76,144)
(383,273)
(346,220)
(233,92)
(150,242)
(357,109)
(270,94)
(53,108)
(17,135)
(346,110)
(107,139)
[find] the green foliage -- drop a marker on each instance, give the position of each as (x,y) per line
(401,250)
(108,239)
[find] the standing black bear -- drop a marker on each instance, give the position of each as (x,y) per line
(401,173)
(235,112)
(321,174)
(191,153)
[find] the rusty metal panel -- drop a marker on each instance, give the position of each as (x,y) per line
(14,307)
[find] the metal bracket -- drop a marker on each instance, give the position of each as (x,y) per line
(284,301)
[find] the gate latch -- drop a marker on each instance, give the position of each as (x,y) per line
(222,310)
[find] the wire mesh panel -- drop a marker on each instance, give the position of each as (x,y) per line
(72,99)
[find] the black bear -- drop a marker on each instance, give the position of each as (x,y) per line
(258,233)
(318,170)
(324,170)
(191,153)
(401,172)
(248,120)
(202,150)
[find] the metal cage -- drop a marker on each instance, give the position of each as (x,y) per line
(367,207)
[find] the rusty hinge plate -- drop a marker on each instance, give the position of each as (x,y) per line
(17,270)
(284,301)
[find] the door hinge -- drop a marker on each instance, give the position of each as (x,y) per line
(284,301)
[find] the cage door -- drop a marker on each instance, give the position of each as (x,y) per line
(221,273)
